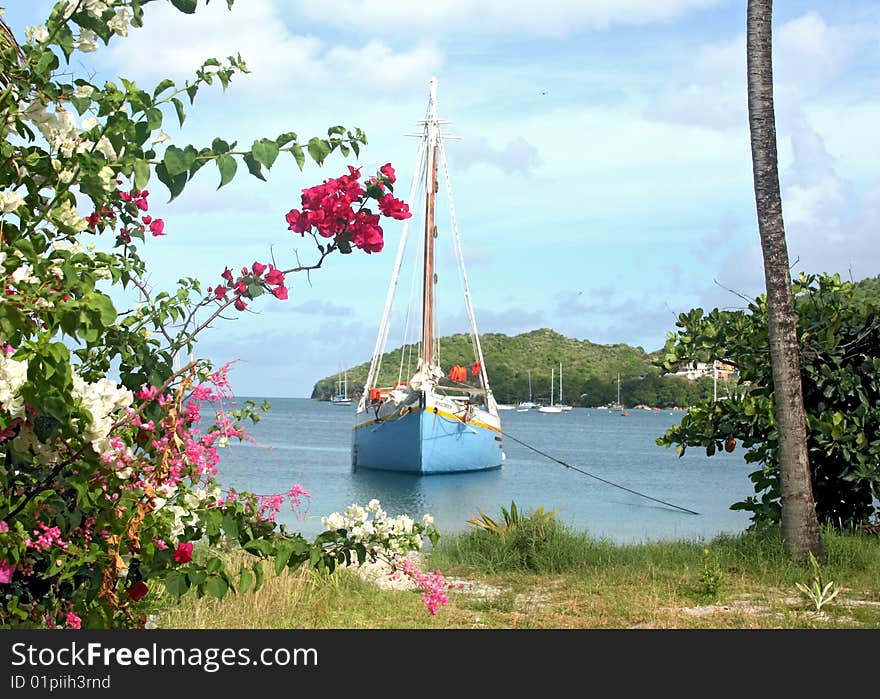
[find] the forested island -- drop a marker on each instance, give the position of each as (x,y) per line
(589,371)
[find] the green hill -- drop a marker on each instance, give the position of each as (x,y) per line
(589,371)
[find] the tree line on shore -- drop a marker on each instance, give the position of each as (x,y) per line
(589,371)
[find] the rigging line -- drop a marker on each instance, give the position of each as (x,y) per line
(586,473)
(405,349)
(475,335)
(382,337)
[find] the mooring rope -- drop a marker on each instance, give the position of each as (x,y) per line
(591,475)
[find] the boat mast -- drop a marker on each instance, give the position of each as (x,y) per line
(432,131)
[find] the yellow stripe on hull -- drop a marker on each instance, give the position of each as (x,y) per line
(442,413)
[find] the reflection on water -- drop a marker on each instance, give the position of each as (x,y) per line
(307,442)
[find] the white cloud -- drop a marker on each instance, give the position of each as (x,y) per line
(809,55)
(515,156)
(283,65)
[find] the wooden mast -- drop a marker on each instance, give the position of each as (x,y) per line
(430,231)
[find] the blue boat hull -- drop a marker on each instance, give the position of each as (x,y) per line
(423,443)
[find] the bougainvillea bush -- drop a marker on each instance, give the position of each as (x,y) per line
(109,443)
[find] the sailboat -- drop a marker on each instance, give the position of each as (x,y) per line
(618,405)
(436,422)
(565,408)
(551,408)
(527,404)
(341,397)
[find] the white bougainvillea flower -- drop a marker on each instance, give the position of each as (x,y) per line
(9,201)
(37,35)
(87,42)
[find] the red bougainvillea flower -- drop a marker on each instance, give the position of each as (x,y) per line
(157,227)
(220,293)
(138,591)
(393,207)
(280,292)
(184,552)
(274,276)
(258,269)
(227,274)
(388,171)
(240,305)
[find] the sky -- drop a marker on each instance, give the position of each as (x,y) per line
(602,180)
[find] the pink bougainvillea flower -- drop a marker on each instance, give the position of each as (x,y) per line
(388,172)
(184,552)
(138,591)
(280,292)
(157,227)
(6,572)
(394,208)
(73,621)
(275,276)
(258,269)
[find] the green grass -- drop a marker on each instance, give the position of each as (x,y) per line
(565,579)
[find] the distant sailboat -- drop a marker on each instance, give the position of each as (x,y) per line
(527,404)
(550,408)
(341,397)
(618,405)
(560,403)
(435,422)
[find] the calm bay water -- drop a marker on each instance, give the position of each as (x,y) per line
(308,442)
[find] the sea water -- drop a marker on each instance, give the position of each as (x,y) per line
(309,442)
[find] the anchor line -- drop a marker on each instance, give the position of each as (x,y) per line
(586,473)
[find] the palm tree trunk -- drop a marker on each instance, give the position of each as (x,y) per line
(800,526)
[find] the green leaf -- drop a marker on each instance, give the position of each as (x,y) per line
(175,184)
(230,526)
(162,86)
(186,6)
(178,106)
(154,119)
(104,306)
(299,155)
(228,167)
(141,173)
(285,138)
(257,567)
(282,555)
(253,166)
(265,152)
(217,586)
(177,160)
(246,578)
(319,149)
(176,583)
(214,565)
